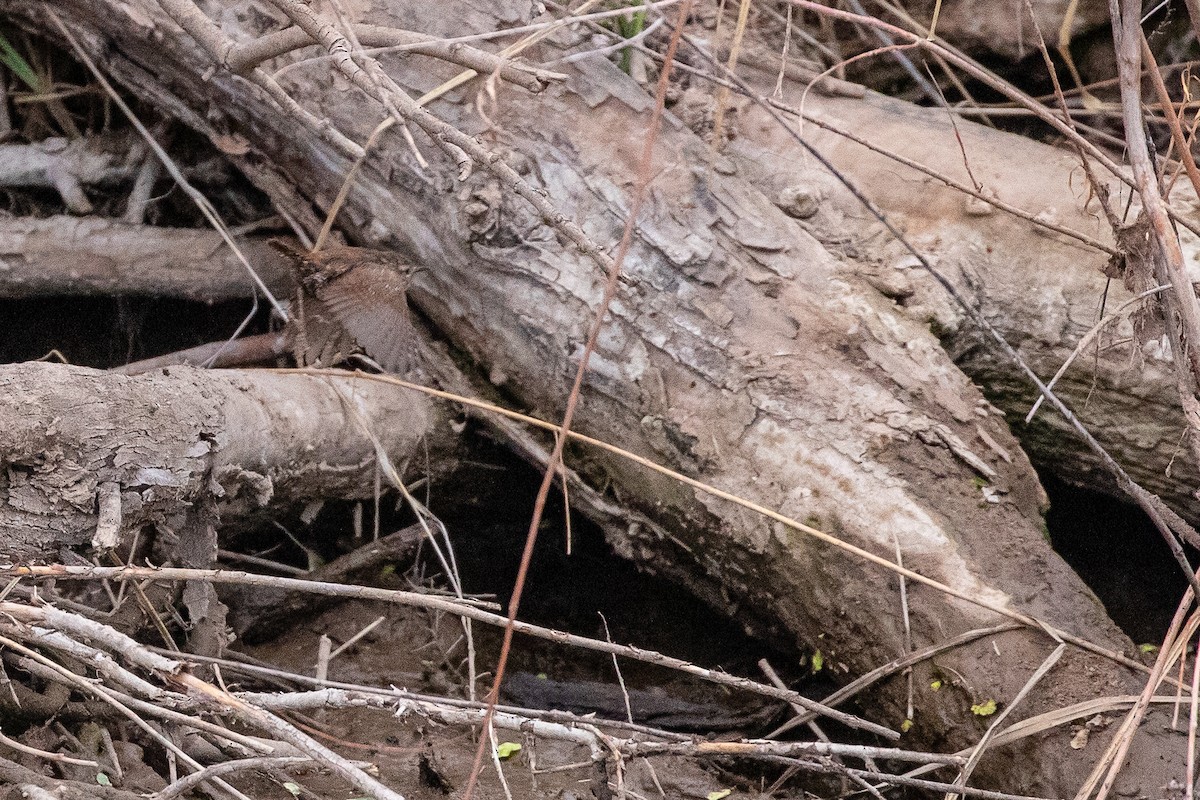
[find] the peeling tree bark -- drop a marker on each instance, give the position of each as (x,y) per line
(741,352)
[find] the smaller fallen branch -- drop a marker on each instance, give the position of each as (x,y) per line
(260,609)
(457,607)
(96,256)
(249,55)
(247,351)
(68,165)
(182,699)
(154,446)
(26,622)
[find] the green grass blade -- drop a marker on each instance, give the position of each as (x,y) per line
(10,58)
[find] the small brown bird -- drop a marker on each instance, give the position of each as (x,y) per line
(348,296)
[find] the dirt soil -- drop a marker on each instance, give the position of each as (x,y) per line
(413,650)
(591,592)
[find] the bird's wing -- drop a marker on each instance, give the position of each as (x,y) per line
(373,309)
(316,338)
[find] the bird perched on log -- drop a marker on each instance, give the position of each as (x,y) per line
(351,296)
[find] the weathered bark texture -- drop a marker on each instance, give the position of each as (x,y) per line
(741,352)
(1042,290)
(78,446)
(92,255)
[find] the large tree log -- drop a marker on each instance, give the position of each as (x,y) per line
(739,352)
(1041,289)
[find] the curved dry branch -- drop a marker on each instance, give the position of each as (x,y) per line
(248,55)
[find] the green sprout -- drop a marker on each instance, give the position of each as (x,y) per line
(16,64)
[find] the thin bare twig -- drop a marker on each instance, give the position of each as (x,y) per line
(244,57)
(1109,765)
(107,696)
(190,782)
(1087,339)
(60,758)
(981,747)
(174,672)
(612,284)
(209,36)
(891,668)
(445,605)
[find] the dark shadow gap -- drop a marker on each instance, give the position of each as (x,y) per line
(105,332)
(489,515)
(1119,554)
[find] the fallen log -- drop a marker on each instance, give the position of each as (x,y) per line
(1043,288)
(92,457)
(93,255)
(738,353)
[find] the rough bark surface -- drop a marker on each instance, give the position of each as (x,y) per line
(741,351)
(1041,289)
(76,442)
(92,255)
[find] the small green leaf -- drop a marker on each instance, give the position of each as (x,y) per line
(984,709)
(719,795)
(18,65)
(293,788)
(507,749)
(818,661)
(1147,648)
(103,779)
(906,726)
(935,685)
